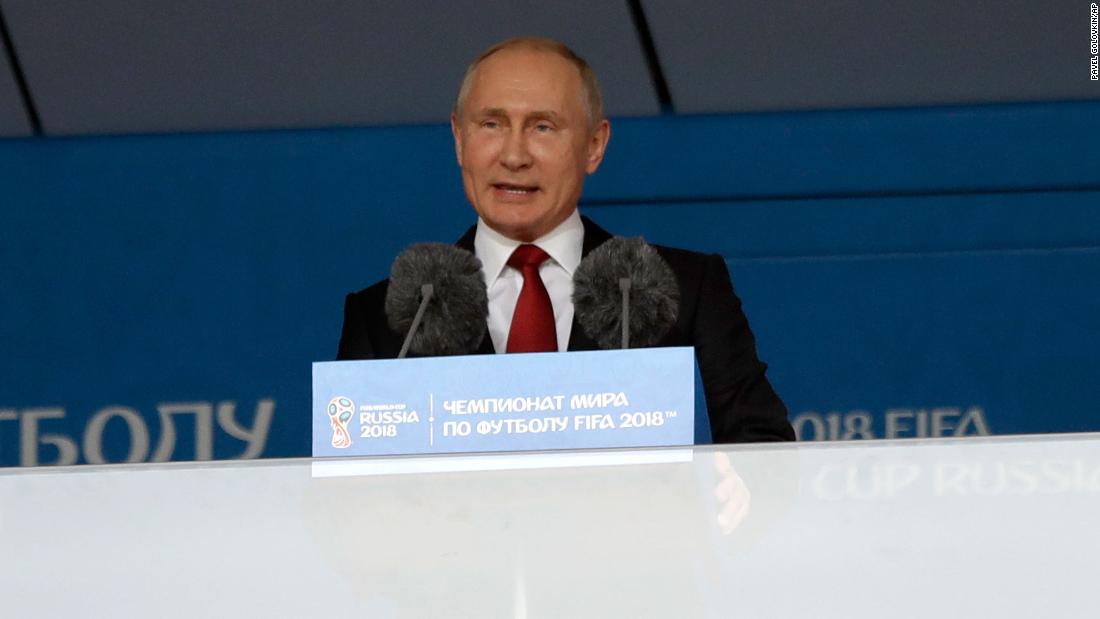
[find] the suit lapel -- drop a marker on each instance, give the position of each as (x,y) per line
(594,236)
(467,240)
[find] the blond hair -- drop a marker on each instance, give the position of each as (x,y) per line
(593,99)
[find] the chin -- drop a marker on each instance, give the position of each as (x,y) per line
(515,228)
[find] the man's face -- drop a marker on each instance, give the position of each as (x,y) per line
(524,142)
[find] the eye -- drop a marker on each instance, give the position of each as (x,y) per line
(544,127)
(490,124)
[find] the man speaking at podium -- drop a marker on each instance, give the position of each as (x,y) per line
(528,128)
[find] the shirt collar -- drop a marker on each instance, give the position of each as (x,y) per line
(563,243)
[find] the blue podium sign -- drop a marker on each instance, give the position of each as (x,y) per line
(486,403)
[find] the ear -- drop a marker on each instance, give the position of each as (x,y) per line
(597,145)
(457,133)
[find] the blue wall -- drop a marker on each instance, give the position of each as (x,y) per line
(934,266)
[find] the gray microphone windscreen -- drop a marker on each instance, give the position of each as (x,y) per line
(597,298)
(454,320)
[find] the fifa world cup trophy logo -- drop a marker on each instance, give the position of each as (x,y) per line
(340,410)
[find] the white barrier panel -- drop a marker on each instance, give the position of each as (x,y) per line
(347,467)
(1000,527)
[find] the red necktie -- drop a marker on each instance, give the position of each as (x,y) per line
(533,327)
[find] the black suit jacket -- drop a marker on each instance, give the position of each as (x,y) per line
(741,404)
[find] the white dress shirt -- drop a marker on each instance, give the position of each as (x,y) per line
(504,283)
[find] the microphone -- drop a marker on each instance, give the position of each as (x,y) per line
(437,297)
(625,295)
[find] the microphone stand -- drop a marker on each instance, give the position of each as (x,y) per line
(624,286)
(426,292)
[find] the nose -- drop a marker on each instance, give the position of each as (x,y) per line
(515,154)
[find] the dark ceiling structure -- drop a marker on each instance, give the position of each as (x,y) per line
(72,67)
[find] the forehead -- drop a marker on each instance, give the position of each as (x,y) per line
(526,78)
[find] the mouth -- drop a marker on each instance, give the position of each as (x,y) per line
(511,189)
